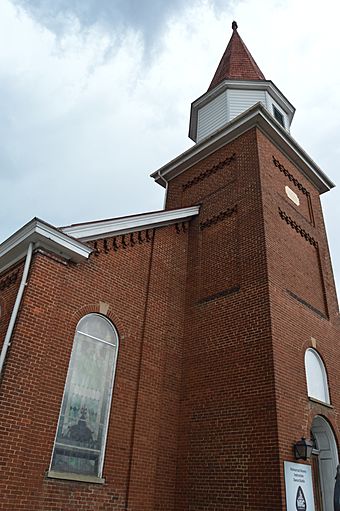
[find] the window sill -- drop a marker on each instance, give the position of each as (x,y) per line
(52,474)
(317,401)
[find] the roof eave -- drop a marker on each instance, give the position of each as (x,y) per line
(114,227)
(43,236)
(255,116)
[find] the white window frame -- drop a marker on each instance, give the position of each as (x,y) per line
(78,476)
(309,376)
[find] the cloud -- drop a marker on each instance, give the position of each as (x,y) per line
(85,117)
(79,120)
(146,16)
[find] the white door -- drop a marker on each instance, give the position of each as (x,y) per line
(328,460)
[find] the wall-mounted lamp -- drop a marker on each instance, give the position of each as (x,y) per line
(303,449)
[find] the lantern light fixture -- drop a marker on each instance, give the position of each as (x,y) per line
(303,449)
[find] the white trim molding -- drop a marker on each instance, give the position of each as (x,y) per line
(75,477)
(42,235)
(104,228)
(255,117)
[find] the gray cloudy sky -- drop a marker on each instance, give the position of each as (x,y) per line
(148,16)
(95,95)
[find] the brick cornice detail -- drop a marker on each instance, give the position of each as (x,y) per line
(303,233)
(218,218)
(209,172)
(181,227)
(9,280)
(290,177)
(123,241)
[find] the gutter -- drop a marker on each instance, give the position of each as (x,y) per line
(116,226)
(23,283)
(45,236)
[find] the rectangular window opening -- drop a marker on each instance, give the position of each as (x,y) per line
(278,116)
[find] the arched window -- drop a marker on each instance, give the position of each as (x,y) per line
(81,434)
(317,385)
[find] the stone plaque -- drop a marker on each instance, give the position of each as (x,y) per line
(292,196)
(299,487)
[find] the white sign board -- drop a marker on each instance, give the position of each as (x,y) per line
(299,487)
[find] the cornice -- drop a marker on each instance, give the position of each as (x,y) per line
(256,116)
(44,236)
(106,228)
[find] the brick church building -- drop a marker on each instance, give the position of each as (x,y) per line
(184,359)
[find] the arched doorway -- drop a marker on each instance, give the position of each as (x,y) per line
(325,464)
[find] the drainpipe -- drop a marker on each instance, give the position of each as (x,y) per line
(7,341)
(166,188)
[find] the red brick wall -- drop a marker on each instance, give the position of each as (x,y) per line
(143,286)
(9,285)
(228,427)
(309,316)
(295,234)
(214,318)
(244,364)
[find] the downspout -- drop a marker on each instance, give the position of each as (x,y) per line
(166,187)
(7,341)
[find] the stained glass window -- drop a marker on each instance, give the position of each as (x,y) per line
(81,433)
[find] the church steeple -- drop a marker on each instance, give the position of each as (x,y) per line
(237,85)
(236,63)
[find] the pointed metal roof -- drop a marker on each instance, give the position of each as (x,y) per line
(236,62)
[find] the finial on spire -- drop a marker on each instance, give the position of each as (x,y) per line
(236,62)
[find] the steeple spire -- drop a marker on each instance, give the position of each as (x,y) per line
(238,85)
(236,63)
